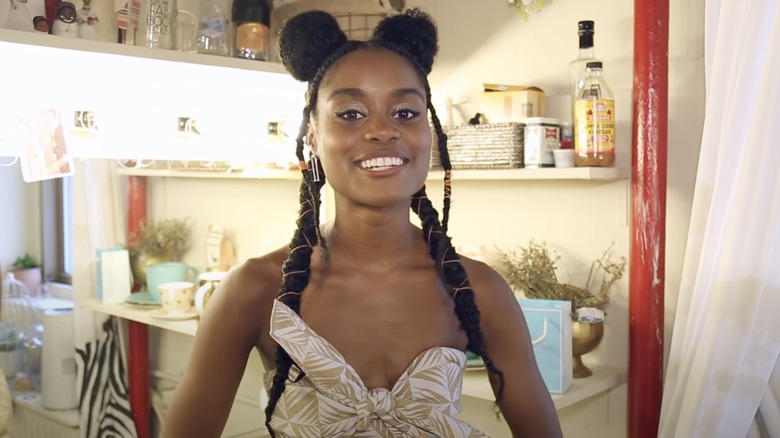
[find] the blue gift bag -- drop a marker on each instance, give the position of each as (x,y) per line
(549,323)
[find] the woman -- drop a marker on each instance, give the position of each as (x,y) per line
(364,332)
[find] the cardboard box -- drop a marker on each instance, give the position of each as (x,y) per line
(511,103)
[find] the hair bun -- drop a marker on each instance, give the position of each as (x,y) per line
(414,31)
(306,40)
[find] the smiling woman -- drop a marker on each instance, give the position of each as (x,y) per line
(365,333)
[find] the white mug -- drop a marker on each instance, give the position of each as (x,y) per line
(176,297)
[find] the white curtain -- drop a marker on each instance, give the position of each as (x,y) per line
(726,334)
(98,222)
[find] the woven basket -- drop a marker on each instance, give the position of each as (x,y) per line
(490,146)
(357,18)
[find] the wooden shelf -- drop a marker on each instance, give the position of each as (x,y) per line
(138,314)
(604,378)
(108,49)
(273,174)
(575,173)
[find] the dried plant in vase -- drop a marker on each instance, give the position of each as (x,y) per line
(170,237)
(532,270)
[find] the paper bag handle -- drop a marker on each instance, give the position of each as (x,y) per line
(543,336)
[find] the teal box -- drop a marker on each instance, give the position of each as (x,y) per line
(549,323)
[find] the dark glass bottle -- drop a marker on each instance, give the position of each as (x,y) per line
(251,20)
(586,54)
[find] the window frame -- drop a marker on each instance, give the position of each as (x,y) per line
(57,230)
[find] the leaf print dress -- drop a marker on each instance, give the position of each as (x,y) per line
(332,400)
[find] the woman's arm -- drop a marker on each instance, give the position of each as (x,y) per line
(228,331)
(526,404)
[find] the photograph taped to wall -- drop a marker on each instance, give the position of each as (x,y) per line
(19,14)
(45,154)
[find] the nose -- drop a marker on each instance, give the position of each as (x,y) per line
(381,130)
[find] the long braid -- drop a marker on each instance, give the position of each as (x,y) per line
(296,270)
(435,233)
(455,280)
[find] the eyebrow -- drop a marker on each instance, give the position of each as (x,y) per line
(357,92)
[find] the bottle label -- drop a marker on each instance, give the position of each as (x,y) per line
(158,20)
(252,38)
(594,121)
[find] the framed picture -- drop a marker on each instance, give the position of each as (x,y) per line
(45,153)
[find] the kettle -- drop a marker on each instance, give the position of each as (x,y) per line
(208,284)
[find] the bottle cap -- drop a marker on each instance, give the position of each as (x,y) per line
(255,11)
(593,65)
(585,26)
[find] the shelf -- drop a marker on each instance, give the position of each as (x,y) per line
(134,313)
(272,174)
(34,402)
(10,38)
(604,378)
(576,173)
(573,173)
(475,382)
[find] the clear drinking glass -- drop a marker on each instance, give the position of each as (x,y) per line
(161,25)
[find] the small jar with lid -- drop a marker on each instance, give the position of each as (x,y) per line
(251,20)
(541,137)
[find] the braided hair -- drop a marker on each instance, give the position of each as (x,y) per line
(309,44)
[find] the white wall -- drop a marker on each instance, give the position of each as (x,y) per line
(20,213)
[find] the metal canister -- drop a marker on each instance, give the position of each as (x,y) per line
(542,136)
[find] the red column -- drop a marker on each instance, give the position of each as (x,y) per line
(648,213)
(138,337)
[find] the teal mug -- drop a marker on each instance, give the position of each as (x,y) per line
(168,272)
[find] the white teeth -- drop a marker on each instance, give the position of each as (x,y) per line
(381,163)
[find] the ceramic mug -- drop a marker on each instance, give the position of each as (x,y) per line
(176,297)
(166,272)
(208,284)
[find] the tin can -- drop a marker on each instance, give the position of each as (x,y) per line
(542,136)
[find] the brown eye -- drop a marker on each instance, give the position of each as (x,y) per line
(406,114)
(349,115)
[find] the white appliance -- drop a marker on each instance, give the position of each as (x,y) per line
(58,379)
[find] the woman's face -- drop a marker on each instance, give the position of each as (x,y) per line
(370,128)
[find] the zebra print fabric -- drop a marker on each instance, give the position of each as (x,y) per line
(104,399)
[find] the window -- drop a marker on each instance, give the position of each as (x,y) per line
(57,229)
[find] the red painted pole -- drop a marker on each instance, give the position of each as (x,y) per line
(138,336)
(648,213)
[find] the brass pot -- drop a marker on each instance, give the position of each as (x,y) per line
(140,261)
(585,337)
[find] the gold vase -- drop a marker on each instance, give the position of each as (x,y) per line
(585,338)
(140,261)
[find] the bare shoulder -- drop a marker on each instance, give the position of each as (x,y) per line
(234,322)
(244,297)
(488,285)
(256,280)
